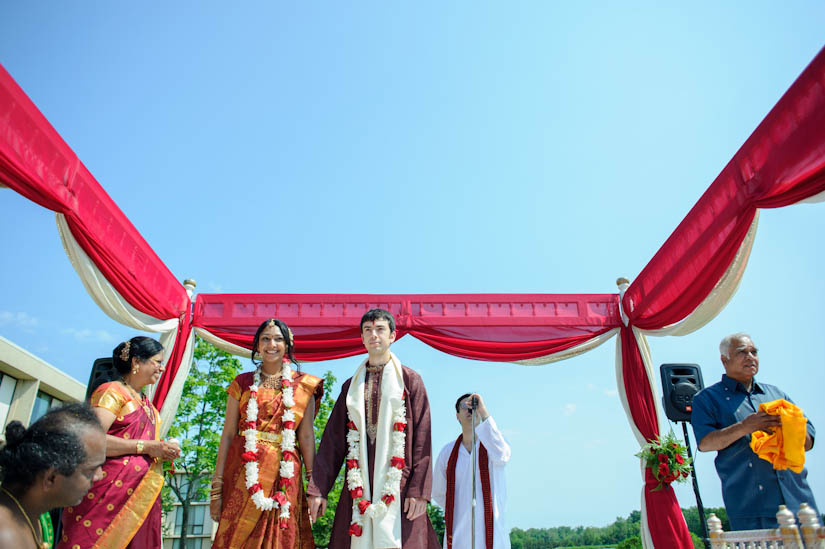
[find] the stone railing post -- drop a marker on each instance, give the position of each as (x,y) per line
(715,528)
(812,532)
(788,529)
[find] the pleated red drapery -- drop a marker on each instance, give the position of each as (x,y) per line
(781,163)
(38,164)
(501,327)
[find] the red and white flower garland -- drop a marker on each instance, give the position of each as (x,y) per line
(251,455)
(391,489)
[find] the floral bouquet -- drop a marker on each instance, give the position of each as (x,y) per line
(667,460)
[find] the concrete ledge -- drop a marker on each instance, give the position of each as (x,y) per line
(21,364)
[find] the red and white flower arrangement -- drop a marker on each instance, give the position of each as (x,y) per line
(391,488)
(288,455)
(667,460)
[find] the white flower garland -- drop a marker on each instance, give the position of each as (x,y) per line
(287,468)
(392,484)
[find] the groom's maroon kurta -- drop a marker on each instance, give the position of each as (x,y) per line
(416,477)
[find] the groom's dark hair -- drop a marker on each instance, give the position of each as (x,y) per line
(378,314)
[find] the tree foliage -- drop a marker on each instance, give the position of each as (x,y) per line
(566,536)
(322,529)
(198,425)
(436,515)
(634,542)
(623,533)
(692,518)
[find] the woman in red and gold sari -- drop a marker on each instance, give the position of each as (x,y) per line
(123,508)
(257,491)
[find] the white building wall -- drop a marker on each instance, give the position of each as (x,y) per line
(23,376)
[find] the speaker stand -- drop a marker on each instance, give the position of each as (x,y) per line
(699,507)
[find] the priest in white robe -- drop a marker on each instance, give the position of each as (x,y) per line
(453,481)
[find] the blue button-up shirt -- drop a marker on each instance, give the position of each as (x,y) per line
(751,487)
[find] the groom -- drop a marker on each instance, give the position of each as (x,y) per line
(380,426)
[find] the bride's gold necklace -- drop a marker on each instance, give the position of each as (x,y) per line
(270,381)
(37,542)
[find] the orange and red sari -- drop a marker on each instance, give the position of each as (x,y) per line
(242,525)
(123,508)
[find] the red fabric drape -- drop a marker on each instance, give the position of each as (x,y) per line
(781,163)
(500,327)
(664,516)
(37,163)
(174,362)
(328,345)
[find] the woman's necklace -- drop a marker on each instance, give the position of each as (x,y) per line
(270,381)
(140,397)
(37,542)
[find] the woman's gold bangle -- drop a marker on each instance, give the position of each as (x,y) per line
(139,446)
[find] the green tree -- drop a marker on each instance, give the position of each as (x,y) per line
(437,519)
(580,536)
(633,542)
(691,515)
(198,425)
(322,529)
(623,531)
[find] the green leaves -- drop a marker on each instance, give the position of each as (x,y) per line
(325,409)
(436,515)
(200,418)
(322,529)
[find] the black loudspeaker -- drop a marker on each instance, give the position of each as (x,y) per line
(103,370)
(679,383)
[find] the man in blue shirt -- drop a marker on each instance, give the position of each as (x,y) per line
(724,416)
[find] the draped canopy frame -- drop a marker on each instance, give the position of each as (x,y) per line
(687,282)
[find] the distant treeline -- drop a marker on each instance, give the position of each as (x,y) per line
(621,530)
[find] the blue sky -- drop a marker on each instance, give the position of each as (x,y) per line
(428,148)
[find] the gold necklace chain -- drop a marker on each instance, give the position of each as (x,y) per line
(270,381)
(37,542)
(141,398)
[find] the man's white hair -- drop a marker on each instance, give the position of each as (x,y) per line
(724,345)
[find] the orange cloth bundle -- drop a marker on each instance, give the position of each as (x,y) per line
(785,447)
